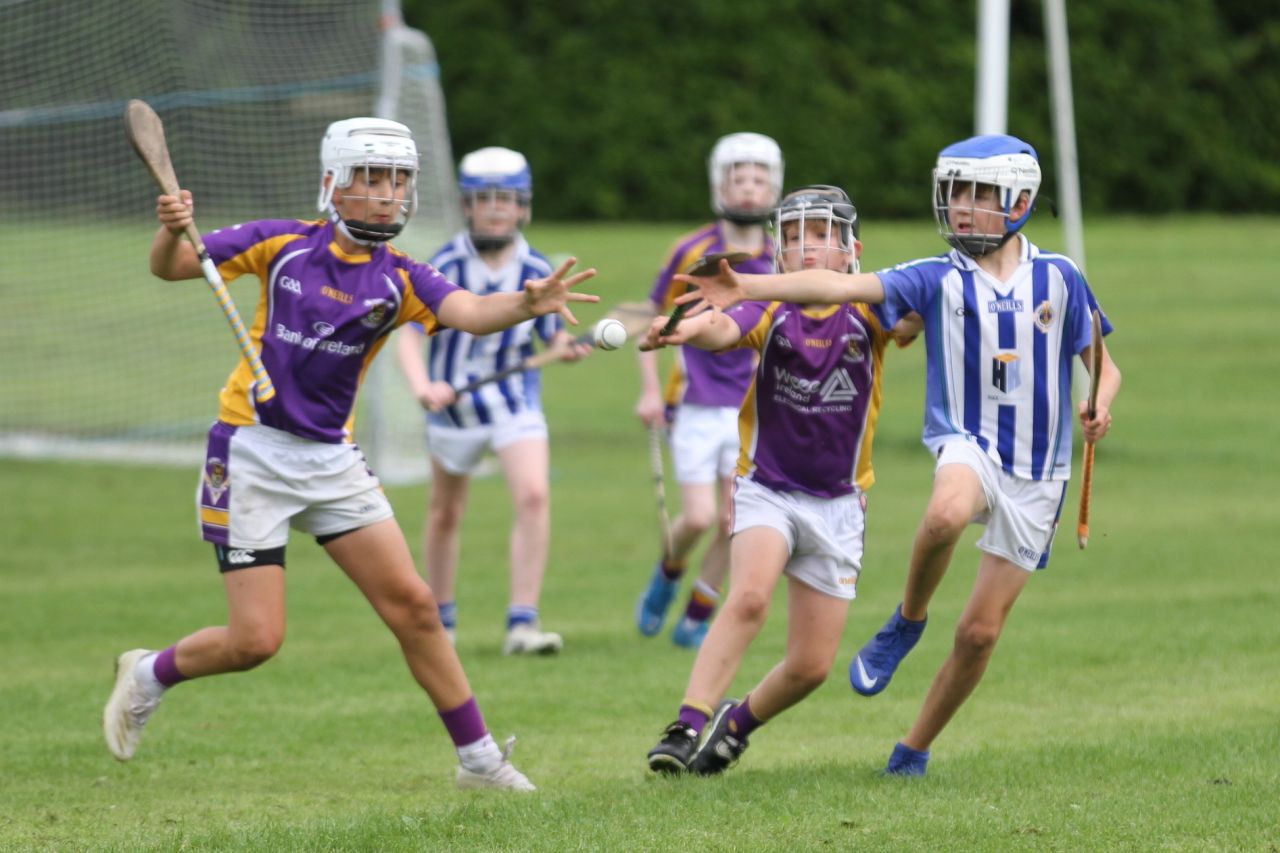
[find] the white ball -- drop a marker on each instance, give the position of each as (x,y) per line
(609,334)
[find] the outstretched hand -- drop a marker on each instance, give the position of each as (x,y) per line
(552,295)
(719,290)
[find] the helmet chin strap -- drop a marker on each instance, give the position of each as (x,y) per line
(747,217)
(364,233)
(491,243)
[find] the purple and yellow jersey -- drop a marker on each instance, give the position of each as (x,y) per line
(999,354)
(700,377)
(322,316)
(809,416)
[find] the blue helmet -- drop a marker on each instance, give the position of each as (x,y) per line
(1004,162)
(489,173)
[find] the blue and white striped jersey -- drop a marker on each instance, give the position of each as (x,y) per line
(999,354)
(458,357)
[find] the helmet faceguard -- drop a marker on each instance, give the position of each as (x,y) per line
(814,219)
(738,157)
(497,195)
(382,154)
(1002,167)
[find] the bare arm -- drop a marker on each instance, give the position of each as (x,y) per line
(1108,388)
(172,258)
(483,315)
(432,396)
(806,287)
(710,331)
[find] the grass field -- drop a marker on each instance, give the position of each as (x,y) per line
(1132,704)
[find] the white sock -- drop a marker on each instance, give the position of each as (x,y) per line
(482,756)
(145,673)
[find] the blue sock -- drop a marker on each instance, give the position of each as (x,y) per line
(521,614)
(448,614)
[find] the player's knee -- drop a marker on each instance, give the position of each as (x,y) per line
(747,606)
(976,638)
(415,610)
(531,501)
(943,523)
(807,672)
(445,516)
(697,520)
(252,648)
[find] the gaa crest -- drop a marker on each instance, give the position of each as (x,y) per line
(1044,316)
(376,314)
(215,479)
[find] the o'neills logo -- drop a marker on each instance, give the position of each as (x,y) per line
(319,344)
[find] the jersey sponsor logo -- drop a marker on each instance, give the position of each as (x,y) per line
(794,386)
(1005,373)
(337,295)
(241,556)
(1044,316)
(963,312)
(1004,306)
(215,478)
(322,329)
(319,344)
(838,388)
(290,284)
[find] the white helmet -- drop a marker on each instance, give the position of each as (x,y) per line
(486,173)
(818,203)
(367,143)
(1004,162)
(742,149)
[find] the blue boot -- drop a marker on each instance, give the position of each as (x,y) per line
(651,609)
(875,663)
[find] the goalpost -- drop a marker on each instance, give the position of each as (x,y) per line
(100,359)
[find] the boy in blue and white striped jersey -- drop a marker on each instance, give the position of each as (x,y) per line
(505,417)
(1002,321)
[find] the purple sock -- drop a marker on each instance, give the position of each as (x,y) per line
(693,717)
(166,669)
(464,723)
(741,721)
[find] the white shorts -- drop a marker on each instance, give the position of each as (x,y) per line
(1021,515)
(460,449)
(824,535)
(704,443)
(259,481)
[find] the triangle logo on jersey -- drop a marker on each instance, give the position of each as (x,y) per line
(838,388)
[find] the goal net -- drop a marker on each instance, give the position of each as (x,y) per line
(100,359)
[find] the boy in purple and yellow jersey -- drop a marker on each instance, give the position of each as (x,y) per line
(1003,323)
(331,292)
(806,426)
(705,389)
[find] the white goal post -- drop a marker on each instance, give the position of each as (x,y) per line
(101,360)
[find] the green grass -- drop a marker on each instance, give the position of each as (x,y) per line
(1131,704)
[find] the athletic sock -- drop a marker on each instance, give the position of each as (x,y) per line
(694,715)
(672,570)
(521,614)
(741,721)
(157,672)
(465,725)
(481,756)
(702,602)
(448,615)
